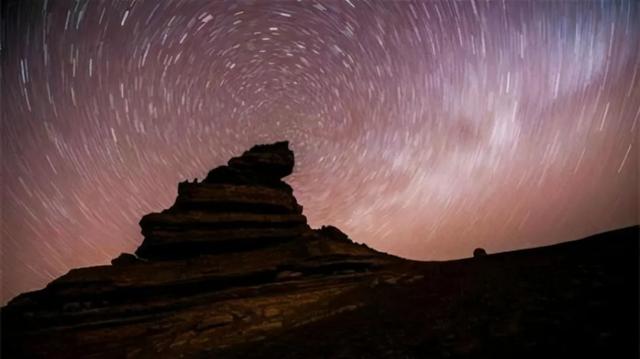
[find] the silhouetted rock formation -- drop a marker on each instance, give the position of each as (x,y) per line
(233,270)
(124,259)
(479,252)
(262,165)
(237,239)
(242,206)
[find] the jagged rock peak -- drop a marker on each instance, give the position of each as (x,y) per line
(238,207)
(261,164)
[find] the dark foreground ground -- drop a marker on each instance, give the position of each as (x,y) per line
(576,299)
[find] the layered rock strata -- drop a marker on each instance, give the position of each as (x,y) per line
(232,258)
(242,206)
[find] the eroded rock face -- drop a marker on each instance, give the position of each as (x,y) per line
(231,259)
(261,165)
(242,206)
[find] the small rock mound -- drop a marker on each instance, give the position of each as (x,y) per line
(479,252)
(124,259)
(333,233)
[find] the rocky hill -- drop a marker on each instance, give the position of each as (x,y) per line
(232,269)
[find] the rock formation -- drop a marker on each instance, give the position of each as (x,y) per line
(479,252)
(232,269)
(225,244)
(242,206)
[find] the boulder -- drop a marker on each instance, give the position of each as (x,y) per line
(479,252)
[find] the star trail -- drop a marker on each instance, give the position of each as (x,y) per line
(424,129)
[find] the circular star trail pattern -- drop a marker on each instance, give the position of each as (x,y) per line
(424,129)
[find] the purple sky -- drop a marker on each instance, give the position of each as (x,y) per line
(425,129)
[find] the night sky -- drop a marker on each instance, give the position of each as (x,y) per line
(423,129)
